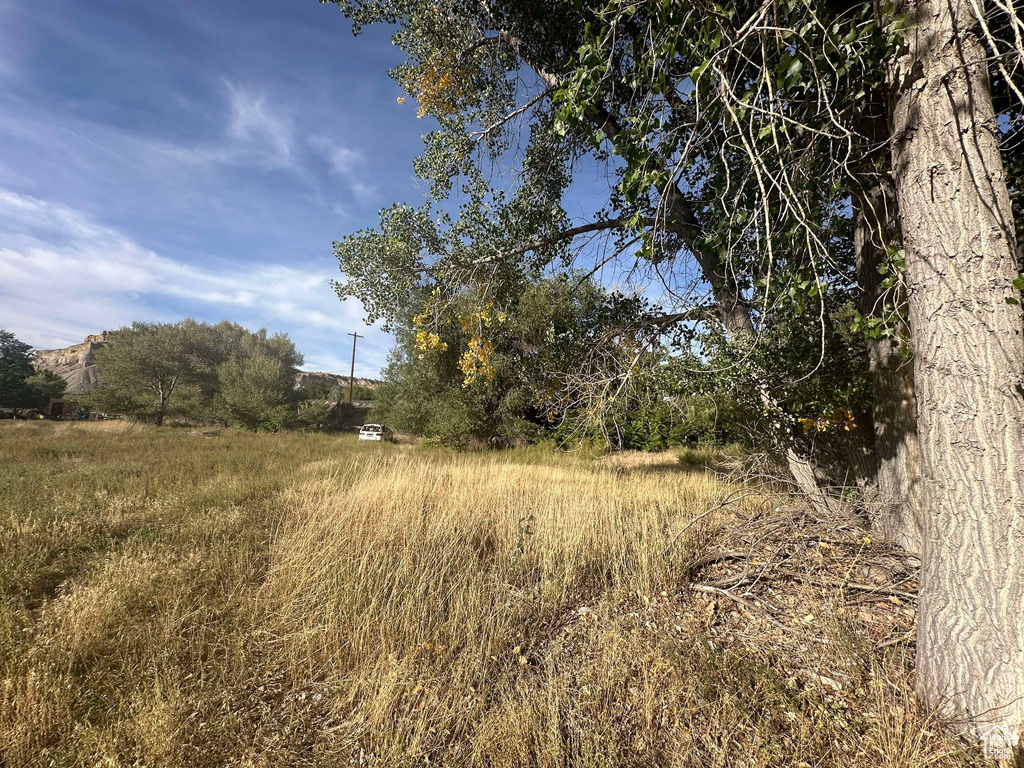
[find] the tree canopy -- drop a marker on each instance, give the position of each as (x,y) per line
(526,97)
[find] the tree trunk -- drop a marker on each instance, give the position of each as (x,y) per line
(894,504)
(968,364)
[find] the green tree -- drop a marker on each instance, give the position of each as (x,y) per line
(212,345)
(257,391)
(498,375)
(15,369)
(363,392)
(43,386)
(160,369)
(21,386)
(143,368)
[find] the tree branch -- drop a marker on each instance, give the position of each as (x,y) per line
(683,218)
(665,320)
(567,234)
(483,42)
(479,135)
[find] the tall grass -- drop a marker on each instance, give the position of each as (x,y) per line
(172,598)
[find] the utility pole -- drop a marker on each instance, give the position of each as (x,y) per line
(352,372)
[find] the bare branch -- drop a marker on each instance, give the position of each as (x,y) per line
(480,135)
(558,237)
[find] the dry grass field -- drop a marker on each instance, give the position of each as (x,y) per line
(170,598)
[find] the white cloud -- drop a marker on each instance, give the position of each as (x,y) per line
(65,276)
(257,133)
(260,133)
(255,122)
(342,160)
(348,163)
(364,192)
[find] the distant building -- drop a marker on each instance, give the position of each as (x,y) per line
(62,409)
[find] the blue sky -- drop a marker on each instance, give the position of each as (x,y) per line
(163,160)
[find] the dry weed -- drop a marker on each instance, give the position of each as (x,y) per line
(262,600)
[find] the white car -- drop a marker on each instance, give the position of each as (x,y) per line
(376,432)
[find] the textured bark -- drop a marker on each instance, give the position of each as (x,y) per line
(968,364)
(895,494)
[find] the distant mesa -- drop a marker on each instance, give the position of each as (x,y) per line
(306,378)
(77,366)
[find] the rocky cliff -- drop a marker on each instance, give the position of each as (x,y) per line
(305,378)
(75,364)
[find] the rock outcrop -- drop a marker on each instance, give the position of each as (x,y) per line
(305,378)
(75,364)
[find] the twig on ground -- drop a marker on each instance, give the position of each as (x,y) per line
(822,582)
(742,601)
(897,640)
(704,514)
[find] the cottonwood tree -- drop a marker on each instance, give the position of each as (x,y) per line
(142,369)
(962,274)
(221,372)
(737,138)
(257,392)
(948,207)
(465,370)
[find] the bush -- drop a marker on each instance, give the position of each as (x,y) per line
(314,414)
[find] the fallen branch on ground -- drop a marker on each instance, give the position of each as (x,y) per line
(742,601)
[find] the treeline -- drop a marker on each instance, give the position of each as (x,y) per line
(186,371)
